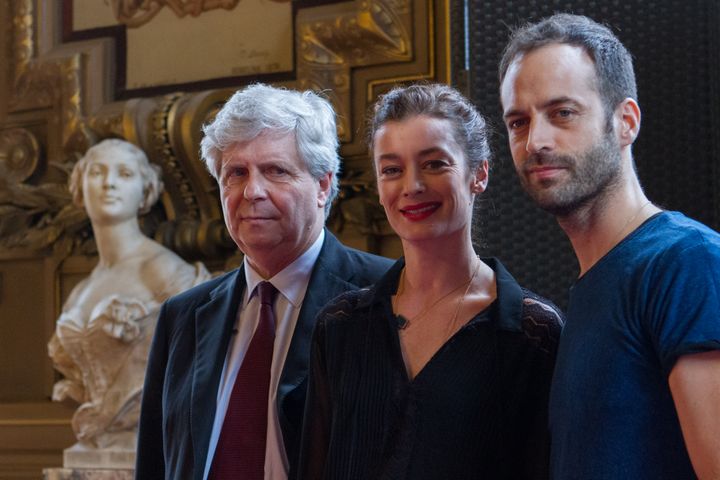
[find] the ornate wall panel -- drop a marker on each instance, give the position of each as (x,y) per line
(351,50)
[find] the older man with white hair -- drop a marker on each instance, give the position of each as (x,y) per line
(226,380)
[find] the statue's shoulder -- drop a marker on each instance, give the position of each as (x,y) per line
(166,274)
(76,293)
(158,260)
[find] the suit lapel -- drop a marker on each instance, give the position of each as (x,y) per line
(331,276)
(326,282)
(211,344)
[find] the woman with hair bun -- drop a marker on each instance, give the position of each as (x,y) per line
(441,370)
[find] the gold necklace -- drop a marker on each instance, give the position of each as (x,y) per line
(450,329)
(404,322)
(619,236)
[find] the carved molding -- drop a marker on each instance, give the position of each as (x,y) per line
(329,45)
(22,27)
(19,154)
(38,218)
(168,158)
(54,84)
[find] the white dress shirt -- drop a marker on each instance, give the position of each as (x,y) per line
(291,283)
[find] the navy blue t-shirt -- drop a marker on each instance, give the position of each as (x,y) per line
(651,299)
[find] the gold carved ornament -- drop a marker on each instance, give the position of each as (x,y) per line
(373,32)
(35,217)
(133,13)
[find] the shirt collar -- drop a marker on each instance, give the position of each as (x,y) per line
(509,300)
(507,305)
(291,281)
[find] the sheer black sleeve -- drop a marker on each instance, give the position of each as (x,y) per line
(542,323)
(317,421)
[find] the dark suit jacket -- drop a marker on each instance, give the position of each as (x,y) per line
(188,354)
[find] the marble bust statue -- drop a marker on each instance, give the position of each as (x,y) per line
(103,334)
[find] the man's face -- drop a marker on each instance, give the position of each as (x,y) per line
(564,149)
(273,207)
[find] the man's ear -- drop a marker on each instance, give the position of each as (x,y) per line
(628,115)
(480,179)
(325,182)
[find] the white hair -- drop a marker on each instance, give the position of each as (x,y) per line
(260,108)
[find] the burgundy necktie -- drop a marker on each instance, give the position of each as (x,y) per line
(240,452)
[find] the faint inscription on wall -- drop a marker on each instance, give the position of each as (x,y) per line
(171,42)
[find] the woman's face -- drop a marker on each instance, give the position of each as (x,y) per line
(423,179)
(112,185)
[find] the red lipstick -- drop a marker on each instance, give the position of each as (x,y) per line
(419,211)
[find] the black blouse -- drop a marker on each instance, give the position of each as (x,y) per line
(477,410)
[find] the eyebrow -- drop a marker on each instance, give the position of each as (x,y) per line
(550,103)
(388,156)
(431,151)
(423,153)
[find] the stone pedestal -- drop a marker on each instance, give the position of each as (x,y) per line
(83,463)
(82,457)
(87,474)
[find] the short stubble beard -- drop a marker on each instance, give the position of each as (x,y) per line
(592,175)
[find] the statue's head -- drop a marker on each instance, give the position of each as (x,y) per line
(115,164)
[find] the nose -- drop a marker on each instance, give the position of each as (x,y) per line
(255,188)
(539,136)
(414,182)
(109,179)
